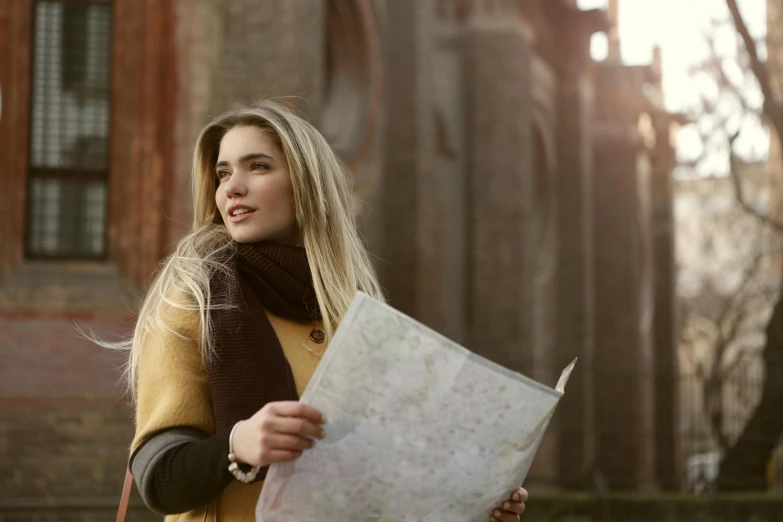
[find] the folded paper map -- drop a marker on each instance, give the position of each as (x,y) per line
(418,428)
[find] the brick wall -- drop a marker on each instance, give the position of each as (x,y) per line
(64,426)
(63,449)
(77,512)
(15,19)
(144,88)
(141,132)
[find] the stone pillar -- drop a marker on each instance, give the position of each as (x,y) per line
(668,452)
(574,301)
(540,255)
(622,362)
(408,109)
(442,186)
(498,122)
(613,12)
(509,214)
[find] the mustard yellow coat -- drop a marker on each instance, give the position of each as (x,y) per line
(173,390)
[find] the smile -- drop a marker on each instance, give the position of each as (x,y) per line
(239,213)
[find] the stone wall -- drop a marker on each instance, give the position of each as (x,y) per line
(666,508)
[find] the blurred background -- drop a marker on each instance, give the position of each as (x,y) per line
(537,179)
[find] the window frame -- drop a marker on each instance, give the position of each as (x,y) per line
(79,175)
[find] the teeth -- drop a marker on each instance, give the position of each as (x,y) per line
(241,211)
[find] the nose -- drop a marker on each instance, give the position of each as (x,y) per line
(235,186)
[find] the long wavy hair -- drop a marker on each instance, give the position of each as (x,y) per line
(324,205)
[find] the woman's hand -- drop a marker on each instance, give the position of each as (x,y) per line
(277,433)
(512,508)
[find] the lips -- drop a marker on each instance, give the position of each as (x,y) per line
(238,213)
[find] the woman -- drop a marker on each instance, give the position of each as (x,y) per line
(238,317)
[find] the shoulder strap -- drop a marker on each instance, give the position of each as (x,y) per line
(125,497)
(126,490)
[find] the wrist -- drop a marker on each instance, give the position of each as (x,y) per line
(232,449)
(235,465)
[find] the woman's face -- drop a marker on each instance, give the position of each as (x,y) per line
(254,192)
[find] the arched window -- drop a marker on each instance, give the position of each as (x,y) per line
(353,78)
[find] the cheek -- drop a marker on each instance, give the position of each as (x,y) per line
(220,201)
(277,196)
(288,198)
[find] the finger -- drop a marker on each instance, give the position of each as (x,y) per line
(292,426)
(297,409)
(514,507)
(503,516)
(279,441)
(283,455)
(520,495)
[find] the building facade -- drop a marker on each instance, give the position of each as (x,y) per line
(516,194)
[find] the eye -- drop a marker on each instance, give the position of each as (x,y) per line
(258,166)
(222,174)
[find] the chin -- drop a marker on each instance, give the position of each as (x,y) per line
(249,238)
(245,236)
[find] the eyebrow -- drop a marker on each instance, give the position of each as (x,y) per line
(246,158)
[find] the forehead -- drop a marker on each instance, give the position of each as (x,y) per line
(246,139)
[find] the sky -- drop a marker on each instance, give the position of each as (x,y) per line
(679,28)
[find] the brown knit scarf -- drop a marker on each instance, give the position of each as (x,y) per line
(250,368)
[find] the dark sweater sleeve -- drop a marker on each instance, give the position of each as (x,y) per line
(179,472)
(191,474)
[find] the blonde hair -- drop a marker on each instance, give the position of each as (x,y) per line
(323,201)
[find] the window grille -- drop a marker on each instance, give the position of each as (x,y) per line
(69,142)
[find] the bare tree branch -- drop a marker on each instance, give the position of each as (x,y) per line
(759,69)
(720,371)
(741,357)
(715,65)
(740,195)
(707,106)
(729,324)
